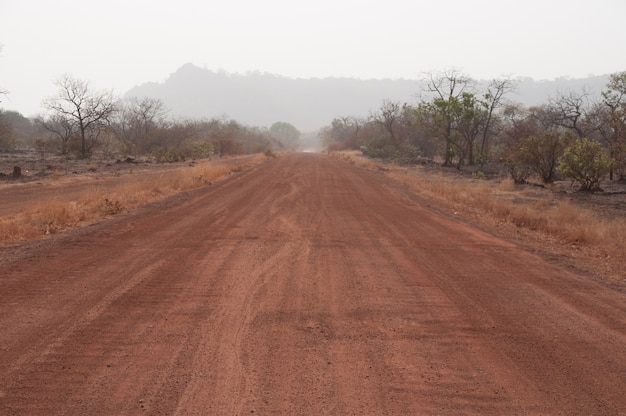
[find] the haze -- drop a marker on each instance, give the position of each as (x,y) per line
(121,44)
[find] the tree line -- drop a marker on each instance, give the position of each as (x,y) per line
(572,135)
(78,121)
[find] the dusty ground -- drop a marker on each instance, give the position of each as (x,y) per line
(55,178)
(303,286)
(610,202)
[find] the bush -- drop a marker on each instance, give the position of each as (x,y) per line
(537,154)
(518,168)
(158,152)
(586,163)
(172,154)
(380,148)
(200,149)
(478,175)
(408,154)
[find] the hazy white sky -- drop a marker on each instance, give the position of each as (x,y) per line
(118,44)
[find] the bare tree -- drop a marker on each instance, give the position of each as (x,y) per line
(493,99)
(447,84)
(60,127)
(137,119)
(357,124)
(387,116)
(570,111)
(89,112)
(343,133)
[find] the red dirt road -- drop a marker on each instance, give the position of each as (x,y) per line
(303,286)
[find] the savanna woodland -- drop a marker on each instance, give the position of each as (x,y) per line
(573,136)
(457,121)
(80,122)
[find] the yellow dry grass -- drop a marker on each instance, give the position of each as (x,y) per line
(54,216)
(568,227)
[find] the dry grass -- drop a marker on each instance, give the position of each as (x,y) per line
(54,216)
(563,225)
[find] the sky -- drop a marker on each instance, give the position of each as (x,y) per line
(118,44)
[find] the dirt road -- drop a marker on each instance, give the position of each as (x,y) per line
(303,286)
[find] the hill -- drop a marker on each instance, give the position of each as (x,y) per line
(260,99)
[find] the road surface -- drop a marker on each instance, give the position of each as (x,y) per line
(303,286)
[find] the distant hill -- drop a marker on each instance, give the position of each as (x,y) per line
(260,99)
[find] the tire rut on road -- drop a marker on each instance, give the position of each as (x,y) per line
(303,286)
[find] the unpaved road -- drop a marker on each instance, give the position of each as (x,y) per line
(303,286)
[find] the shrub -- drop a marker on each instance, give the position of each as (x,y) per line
(585,162)
(200,149)
(379,148)
(541,153)
(172,154)
(408,154)
(382,148)
(478,175)
(158,152)
(518,168)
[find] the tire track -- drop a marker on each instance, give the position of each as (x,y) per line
(303,286)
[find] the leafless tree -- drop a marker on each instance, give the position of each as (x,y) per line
(137,119)
(60,128)
(387,116)
(447,84)
(570,110)
(89,112)
(493,100)
(357,124)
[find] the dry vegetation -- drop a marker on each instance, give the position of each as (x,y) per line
(563,225)
(592,237)
(52,215)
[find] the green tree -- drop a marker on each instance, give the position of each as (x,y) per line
(286,133)
(472,122)
(584,161)
(541,153)
(446,109)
